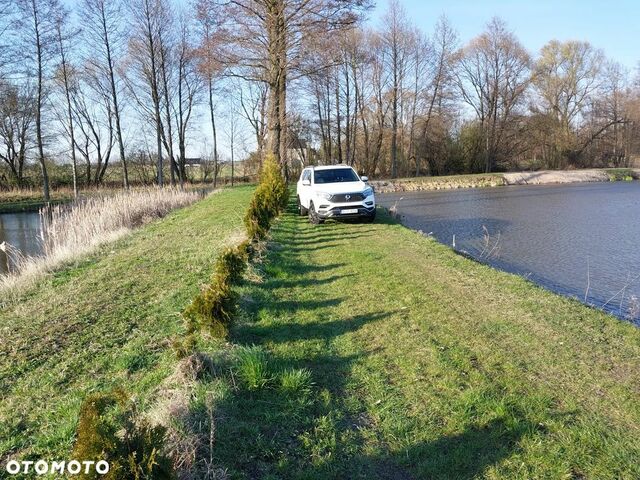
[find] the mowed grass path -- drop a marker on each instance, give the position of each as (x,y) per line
(105,322)
(425,365)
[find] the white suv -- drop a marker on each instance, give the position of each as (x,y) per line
(334,191)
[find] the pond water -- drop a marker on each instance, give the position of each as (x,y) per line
(579,240)
(21,231)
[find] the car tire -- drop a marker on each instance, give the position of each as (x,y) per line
(301,210)
(314,219)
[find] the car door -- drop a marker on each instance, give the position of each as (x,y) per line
(305,190)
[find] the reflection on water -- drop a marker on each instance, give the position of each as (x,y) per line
(560,236)
(22,231)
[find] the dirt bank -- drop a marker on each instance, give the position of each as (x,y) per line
(571,176)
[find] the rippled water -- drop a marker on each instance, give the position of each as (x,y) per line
(22,231)
(565,237)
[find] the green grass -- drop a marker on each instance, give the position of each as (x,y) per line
(622,174)
(421,364)
(105,321)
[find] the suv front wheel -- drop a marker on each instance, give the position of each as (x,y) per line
(313,215)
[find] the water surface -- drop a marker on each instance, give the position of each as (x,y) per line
(21,231)
(579,240)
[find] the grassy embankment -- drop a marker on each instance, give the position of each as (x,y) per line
(105,321)
(422,364)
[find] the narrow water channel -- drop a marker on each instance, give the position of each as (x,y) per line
(22,232)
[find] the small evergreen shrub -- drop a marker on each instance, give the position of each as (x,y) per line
(257,220)
(269,199)
(213,308)
(252,367)
(110,429)
(231,264)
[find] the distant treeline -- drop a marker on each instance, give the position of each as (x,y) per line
(140,83)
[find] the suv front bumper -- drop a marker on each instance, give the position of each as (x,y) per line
(350,211)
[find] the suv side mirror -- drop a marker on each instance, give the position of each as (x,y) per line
(306,183)
(364,178)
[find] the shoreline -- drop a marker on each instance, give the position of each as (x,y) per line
(484,180)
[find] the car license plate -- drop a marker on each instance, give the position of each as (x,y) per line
(347,211)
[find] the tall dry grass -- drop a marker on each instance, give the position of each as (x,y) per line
(73,230)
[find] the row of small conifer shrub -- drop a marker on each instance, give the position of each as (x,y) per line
(214,308)
(109,427)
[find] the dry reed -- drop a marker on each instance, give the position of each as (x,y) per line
(73,230)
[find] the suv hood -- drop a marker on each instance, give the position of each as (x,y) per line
(340,187)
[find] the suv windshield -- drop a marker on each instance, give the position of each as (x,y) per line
(335,175)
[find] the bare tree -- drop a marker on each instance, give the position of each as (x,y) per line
(63,38)
(397,38)
(104,37)
(493,76)
(142,71)
(268,39)
(6,11)
(17,116)
(35,28)
(189,87)
(253,105)
(96,132)
(209,64)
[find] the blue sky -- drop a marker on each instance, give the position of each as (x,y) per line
(613,26)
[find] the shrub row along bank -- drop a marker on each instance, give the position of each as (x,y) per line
(210,312)
(215,306)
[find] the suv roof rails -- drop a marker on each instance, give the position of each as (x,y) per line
(336,165)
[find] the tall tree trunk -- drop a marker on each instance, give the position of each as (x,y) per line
(114,97)
(39,102)
(338,123)
(213,128)
(65,77)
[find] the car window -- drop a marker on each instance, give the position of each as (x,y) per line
(306,175)
(335,175)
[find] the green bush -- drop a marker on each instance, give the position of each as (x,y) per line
(258,216)
(213,308)
(110,429)
(269,199)
(252,367)
(231,264)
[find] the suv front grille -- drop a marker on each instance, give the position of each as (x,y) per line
(347,197)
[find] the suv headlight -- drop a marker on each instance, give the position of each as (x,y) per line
(367,192)
(325,196)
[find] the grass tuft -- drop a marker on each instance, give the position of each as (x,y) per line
(295,381)
(252,367)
